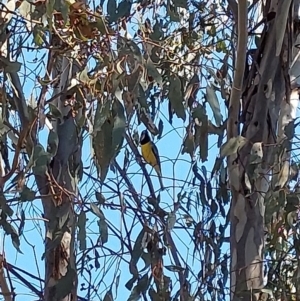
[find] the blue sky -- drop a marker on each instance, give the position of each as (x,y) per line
(169,147)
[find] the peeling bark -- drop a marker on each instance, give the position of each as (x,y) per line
(60,260)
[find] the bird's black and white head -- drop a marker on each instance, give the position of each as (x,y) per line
(145,138)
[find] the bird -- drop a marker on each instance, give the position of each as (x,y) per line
(150,154)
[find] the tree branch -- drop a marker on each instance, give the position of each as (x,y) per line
(234,102)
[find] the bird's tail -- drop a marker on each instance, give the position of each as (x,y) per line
(158,171)
(162,187)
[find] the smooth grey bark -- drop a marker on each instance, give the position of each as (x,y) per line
(263,93)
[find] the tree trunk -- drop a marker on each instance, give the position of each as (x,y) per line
(64,173)
(249,169)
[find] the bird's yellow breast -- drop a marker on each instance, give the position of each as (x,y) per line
(148,154)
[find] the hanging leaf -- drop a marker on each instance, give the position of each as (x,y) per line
(22,223)
(173,14)
(153,72)
(129,284)
(171,220)
(40,159)
(192,90)
(112,11)
(137,250)
(124,8)
(38,35)
(180,3)
(10,230)
(174,268)
(100,198)
(232,146)
(176,96)
(27,194)
(201,137)
(65,284)
(81,223)
(52,143)
(143,284)
(5,208)
(101,115)
(54,111)
(134,295)
(102,145)
(103,228)
(96,210)
(9,66)
(214,104)
(119,127)
(108,296)
(189,144)
(160,128)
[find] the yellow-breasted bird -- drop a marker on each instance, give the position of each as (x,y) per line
(150,154)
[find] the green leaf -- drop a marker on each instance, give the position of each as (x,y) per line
(137,248)
(143,283)
(101,115)
(174,268)
(9,66)
(119,127)
(40,160)
(102,145)
(83,75)
(112,11)
(38,34)
(52,143)
(102,224)
(134,295)
(172,12)
(201,134)
(160,128)
(154,296)
(22,222)
(100,198)
(27,194)
(10,230)
(81,223)
(217,166)
(157,33)
(65,284)
(103,229)
(96,210)
(189,145)
(171,220)
(214,104)
(108,296)
(176,96)
(129,284)
(5,208)
(128,47)
(232,146)
(101,24)
(55,112)
(49,12)
(180,3)
(124,8)
(289,130)
(153,72)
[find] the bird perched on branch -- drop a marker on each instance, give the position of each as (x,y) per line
(150,154)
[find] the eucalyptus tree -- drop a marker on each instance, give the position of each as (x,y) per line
(259,151)
(79,82)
